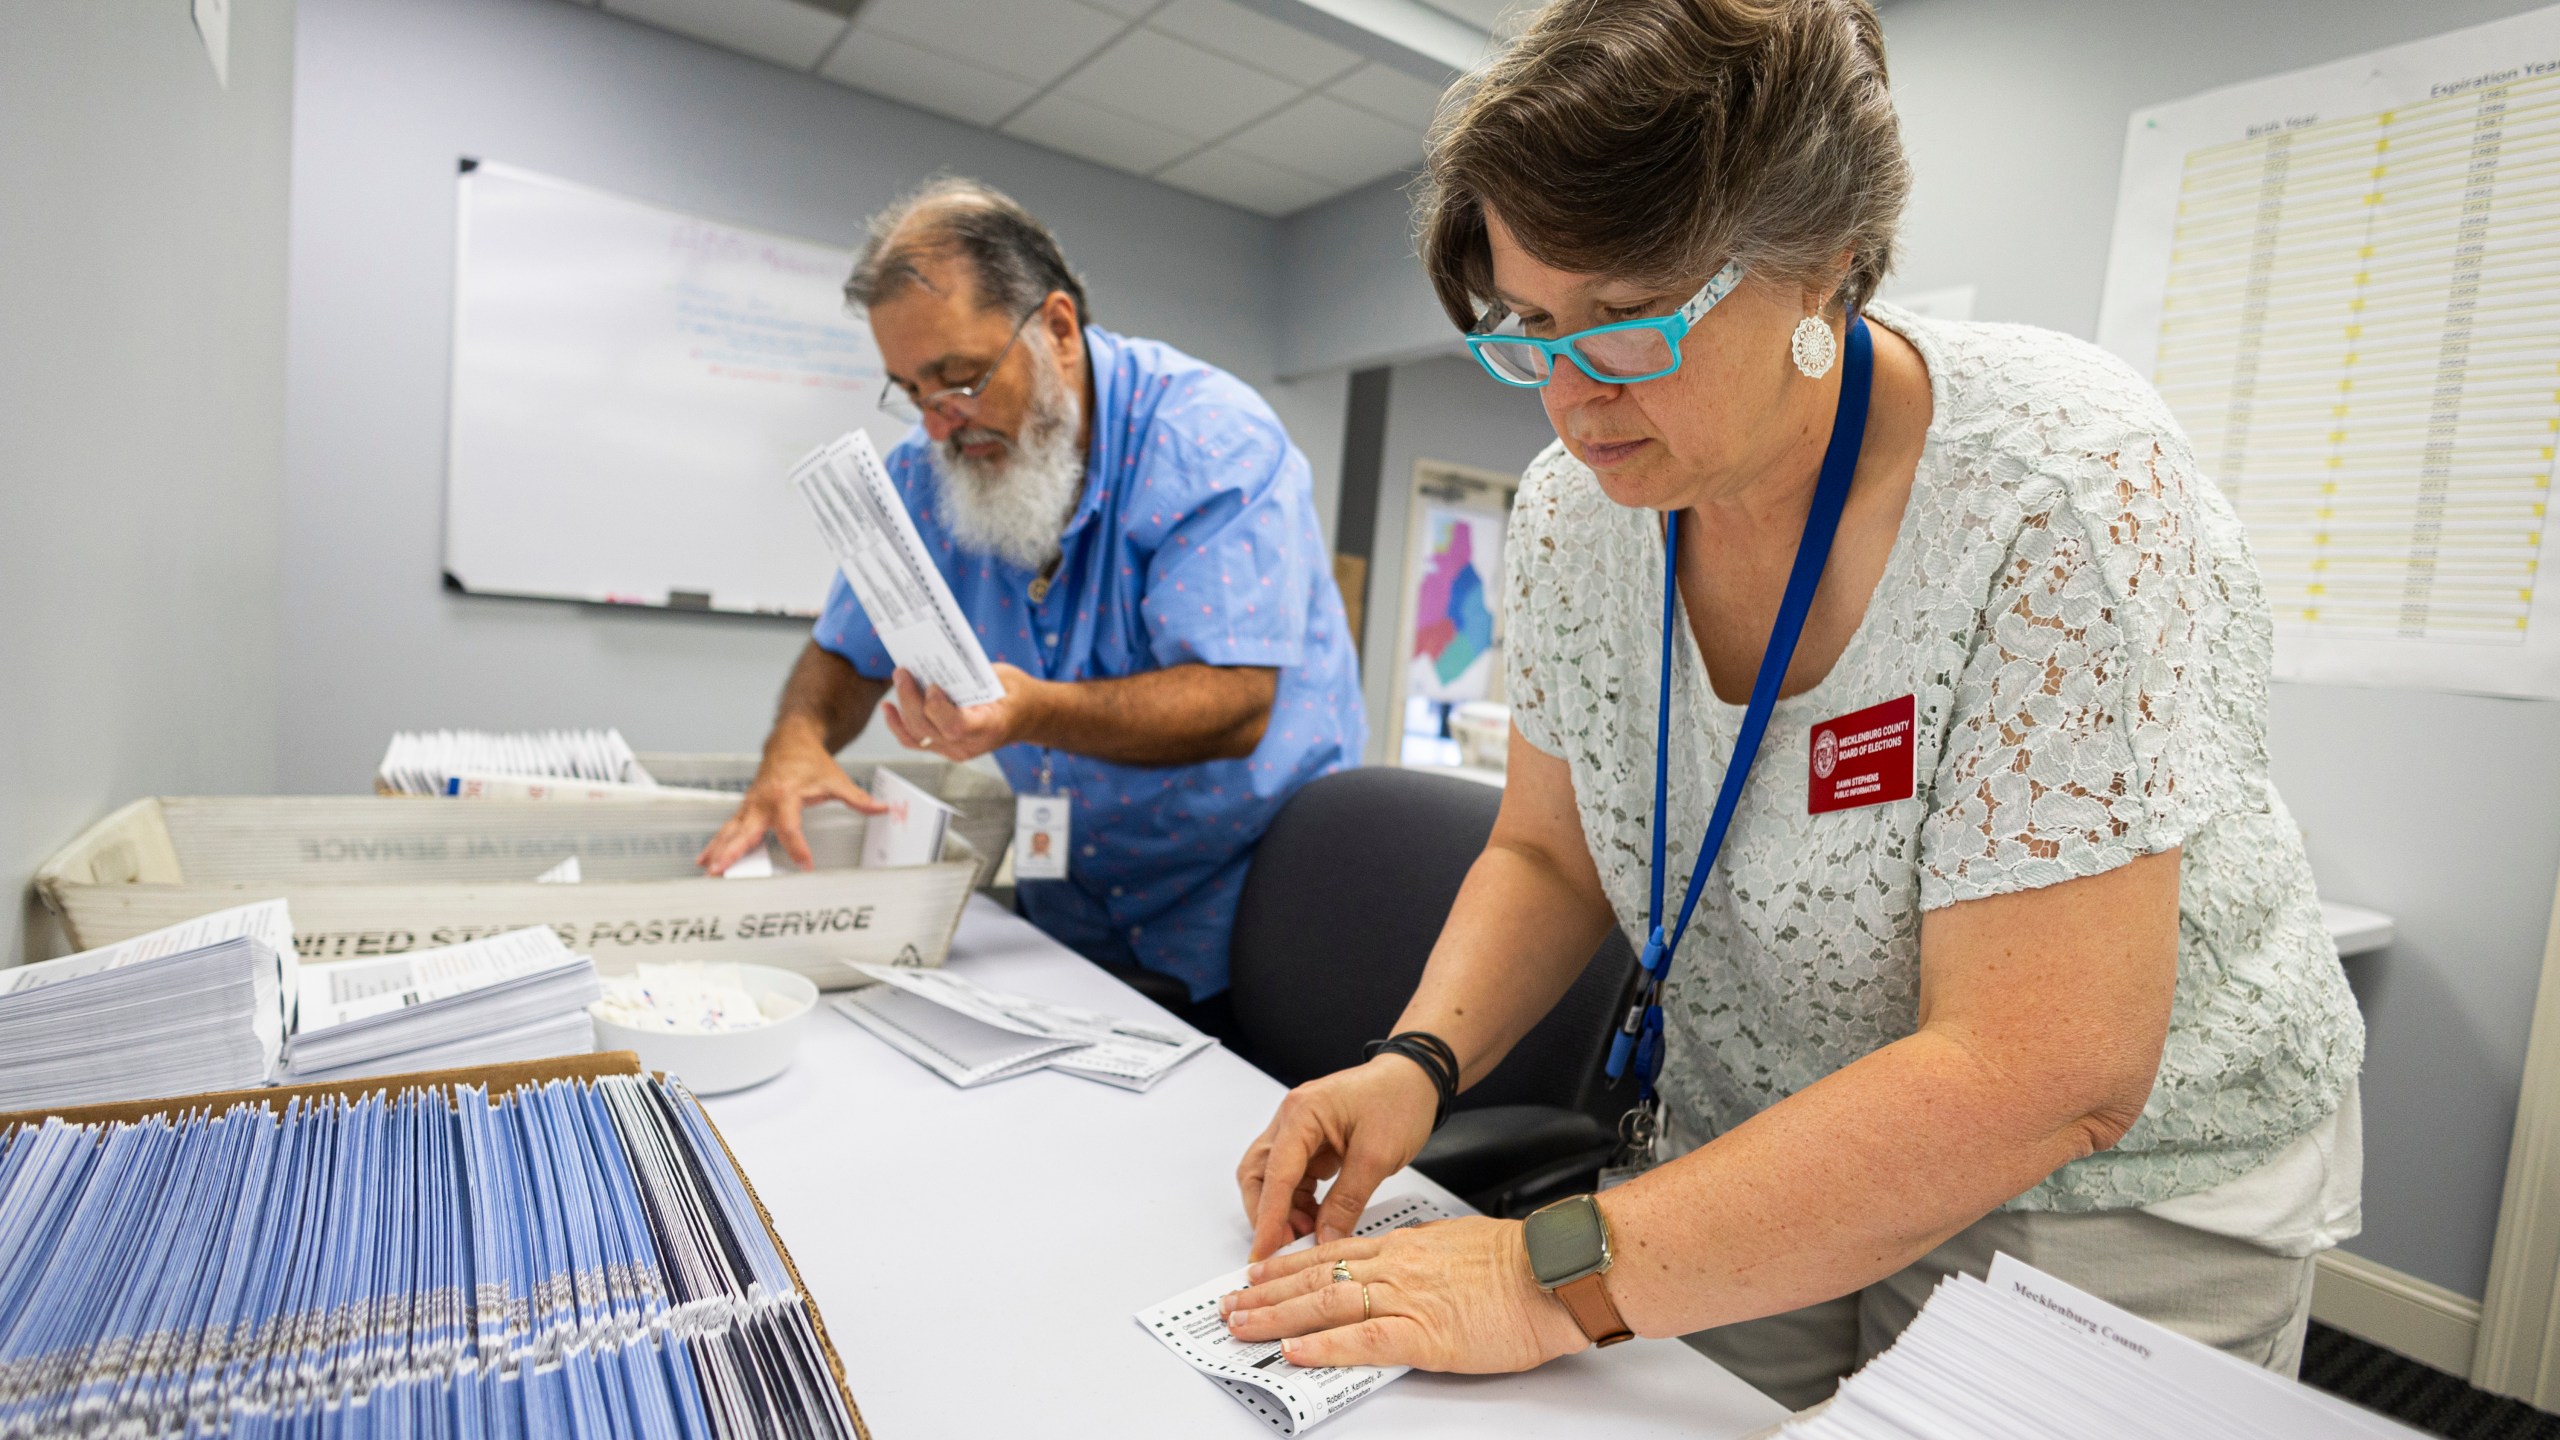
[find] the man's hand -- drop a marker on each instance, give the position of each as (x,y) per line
(925,719)
(795,773)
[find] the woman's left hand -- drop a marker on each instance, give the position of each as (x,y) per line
(1451,1295)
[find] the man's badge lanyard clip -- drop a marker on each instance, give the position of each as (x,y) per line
(1639,1039)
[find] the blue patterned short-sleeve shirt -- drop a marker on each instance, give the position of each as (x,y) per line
(1195,542)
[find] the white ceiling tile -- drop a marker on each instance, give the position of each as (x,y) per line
(1036,40)
(1176,86)
(782,31)
(1242,180)
(1331,141)
(1389,93)
(1126,9)
(1255,40)
(886,65)
(1063,122)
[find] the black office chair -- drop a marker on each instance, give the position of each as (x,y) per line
(1348,891)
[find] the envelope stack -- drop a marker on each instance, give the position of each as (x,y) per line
(573,1258)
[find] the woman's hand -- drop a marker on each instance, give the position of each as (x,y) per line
(1454,1295)
(1355,1127)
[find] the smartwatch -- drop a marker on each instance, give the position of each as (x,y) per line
(1568,1254)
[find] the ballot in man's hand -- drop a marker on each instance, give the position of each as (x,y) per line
(924,718)
(795,774)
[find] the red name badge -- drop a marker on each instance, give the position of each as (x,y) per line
(1862,758)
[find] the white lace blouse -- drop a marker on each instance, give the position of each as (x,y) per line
(2075,614)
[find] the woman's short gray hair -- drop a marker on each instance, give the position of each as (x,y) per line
(1654,140)
(1014,258)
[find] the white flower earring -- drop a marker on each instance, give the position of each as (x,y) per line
(1814,349)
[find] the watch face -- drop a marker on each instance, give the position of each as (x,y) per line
(1565,1241)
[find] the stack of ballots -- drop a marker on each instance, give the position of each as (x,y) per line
(430,762)
(571,1258)
(518,996)
(204,1005)
(220,1002)
(969,1034)
(2022,1353)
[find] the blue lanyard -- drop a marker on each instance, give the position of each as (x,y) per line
(1641,1033)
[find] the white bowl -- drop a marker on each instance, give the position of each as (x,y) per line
(732,1059)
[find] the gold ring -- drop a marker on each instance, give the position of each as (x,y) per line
(1341,1272)
(1364,1302)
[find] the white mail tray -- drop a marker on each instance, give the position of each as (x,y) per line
(373,875)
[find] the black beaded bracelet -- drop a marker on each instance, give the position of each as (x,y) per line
(1437,1060)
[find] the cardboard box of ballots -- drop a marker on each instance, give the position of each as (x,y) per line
(495,1079)
(981,803)
(369,875)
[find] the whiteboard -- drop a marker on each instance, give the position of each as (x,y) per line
(2345,281)
(631,387)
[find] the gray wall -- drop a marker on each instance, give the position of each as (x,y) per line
(1355,294)
(390,93)
(141,405)
(1450,410)
(2441,809)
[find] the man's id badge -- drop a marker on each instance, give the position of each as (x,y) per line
(1862,758)
(1040,837)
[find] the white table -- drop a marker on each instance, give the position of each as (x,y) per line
(978,1254)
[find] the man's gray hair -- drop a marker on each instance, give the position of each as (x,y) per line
(1014,258)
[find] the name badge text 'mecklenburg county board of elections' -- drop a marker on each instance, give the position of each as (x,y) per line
(1862,758)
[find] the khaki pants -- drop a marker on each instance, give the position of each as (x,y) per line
(2227,1293)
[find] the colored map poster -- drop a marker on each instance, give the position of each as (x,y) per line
(1455,648)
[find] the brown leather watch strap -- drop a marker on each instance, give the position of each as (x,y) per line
(1587,1301)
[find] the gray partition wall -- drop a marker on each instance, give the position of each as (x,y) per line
(142,271)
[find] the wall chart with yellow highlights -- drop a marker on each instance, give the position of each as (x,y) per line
(2346,283)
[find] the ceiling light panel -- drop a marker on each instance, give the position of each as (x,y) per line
(1263,43)
(1177,86)
(1034,40)
(781,31)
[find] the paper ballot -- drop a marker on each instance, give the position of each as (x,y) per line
(502,998)
(976,1034)
(884,560)
(202,1005)
(2025,1354)
(1289,1398)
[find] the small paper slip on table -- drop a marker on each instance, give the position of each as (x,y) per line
(979,1253)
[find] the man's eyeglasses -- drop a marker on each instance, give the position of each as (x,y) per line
(1619,354)
(959,404)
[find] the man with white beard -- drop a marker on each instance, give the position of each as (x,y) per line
(1134,538)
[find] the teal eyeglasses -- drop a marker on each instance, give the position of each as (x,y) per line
(1619,354)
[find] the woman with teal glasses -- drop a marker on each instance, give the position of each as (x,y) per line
(1902,685)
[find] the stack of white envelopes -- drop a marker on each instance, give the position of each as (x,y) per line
(200,1006)
(518,996)
(2025,1354)
(430,762)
